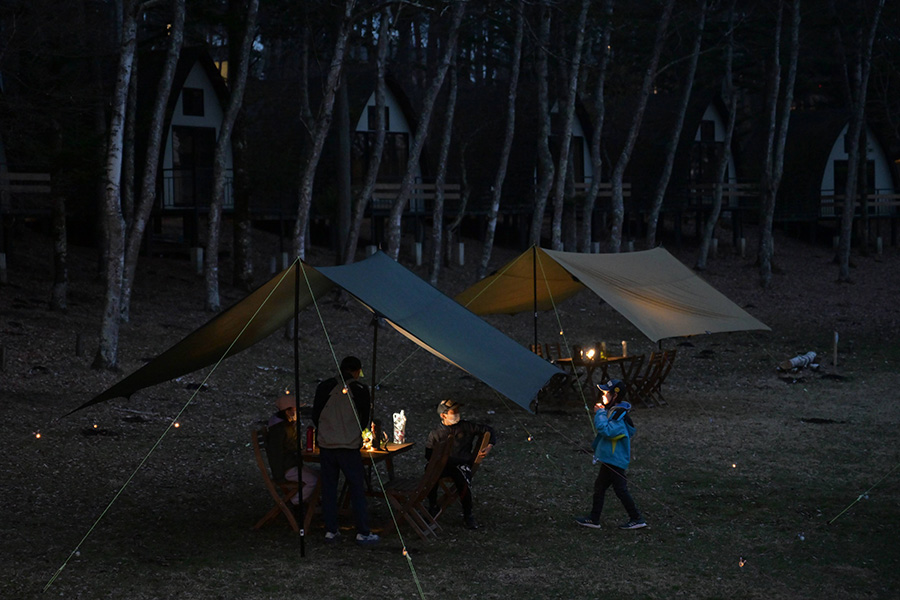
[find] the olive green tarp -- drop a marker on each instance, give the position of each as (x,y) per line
(418,310)
(652,289)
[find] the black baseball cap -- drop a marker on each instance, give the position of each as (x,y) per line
(447,406)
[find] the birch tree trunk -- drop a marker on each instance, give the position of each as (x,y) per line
(506,146)
(779,120)
(562,167)
(858,91)
(709,227)
(604,43)
(415,152)
(675,137)
(545,169)
(147,198)
(108,348)
(128,166)
(365,193)
(319,130)
(235,101)
(618,173)
(242,225)
(437,214)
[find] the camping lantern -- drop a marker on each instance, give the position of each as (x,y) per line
(590,354)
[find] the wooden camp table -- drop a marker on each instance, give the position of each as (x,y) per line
(622,369)
(370,458)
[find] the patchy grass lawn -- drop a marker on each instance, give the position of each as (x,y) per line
(738,477)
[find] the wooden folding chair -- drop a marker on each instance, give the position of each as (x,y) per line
(642,390)
(407,496)
(553,351)
(449,493)
(631,369)
(281,490)
(537,349)
(668,359)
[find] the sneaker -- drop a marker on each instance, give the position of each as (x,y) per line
(332,536)
(367,540)
(587,522)
(633,524)
(470,522)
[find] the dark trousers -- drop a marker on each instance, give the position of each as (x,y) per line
(615,477)
(462,488)
(348,462)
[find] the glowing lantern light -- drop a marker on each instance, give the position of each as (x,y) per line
(37,435)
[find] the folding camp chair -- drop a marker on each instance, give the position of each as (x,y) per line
(668,359)
(631,369)
(281,490)
(407,496)
(642,389)
(449,493)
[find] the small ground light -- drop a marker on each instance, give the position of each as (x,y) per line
(37,435)
(734,465)
(529,438)
(95,426)
(176,424)
(741,561)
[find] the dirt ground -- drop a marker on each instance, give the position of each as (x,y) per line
(737,475)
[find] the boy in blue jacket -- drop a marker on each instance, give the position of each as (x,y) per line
(612,449)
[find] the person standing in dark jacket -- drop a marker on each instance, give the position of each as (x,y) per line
(466,435)
(341,410)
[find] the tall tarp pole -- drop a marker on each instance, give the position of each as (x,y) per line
(534,282)
(374,361)
(297,406)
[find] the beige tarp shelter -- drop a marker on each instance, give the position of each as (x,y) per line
(412,306)
(652,289)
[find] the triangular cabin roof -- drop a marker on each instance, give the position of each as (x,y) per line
(645,165)
(812,135)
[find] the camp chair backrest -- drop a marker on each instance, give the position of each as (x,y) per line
(448,489)
(668,360)
(631,370)
(643,389)
(407,496)
(553,351)
(281,491)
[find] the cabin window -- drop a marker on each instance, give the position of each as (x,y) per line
(192,102)
(373,116)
